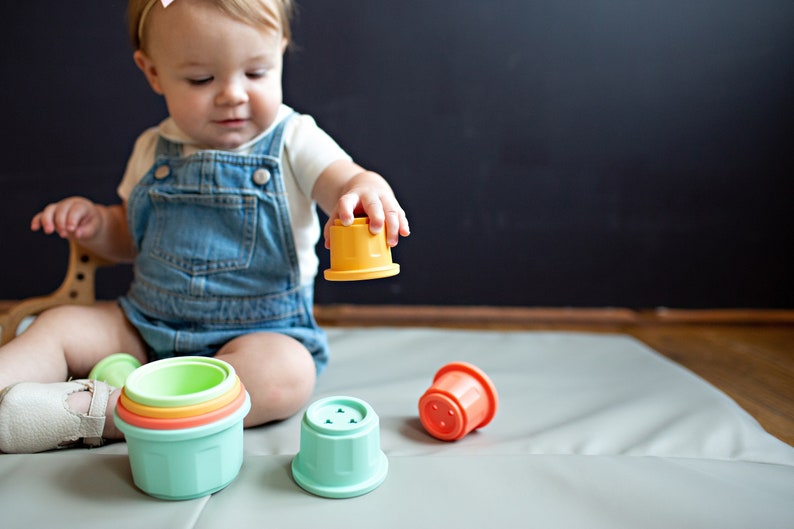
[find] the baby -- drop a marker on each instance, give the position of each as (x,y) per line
(217,215)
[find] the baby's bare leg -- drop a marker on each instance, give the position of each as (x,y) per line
(68,341)
(276,370)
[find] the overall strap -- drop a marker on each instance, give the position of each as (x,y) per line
(167,148)
(272,144)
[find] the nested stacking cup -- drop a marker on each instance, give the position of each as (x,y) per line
(186,463)
(176,418)
(180,381)
(182,418)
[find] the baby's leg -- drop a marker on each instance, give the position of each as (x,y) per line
(68,341)
(277,371)
(62,342)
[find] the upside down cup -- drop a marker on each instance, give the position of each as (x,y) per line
(462,398)
(114,369)
(340,454)
(357,254)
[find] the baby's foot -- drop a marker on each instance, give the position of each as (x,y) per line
(37,417)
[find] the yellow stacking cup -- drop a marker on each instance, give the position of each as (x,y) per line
(179,412)
(357,254)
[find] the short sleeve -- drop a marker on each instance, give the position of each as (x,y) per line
(139,162)
(309,151)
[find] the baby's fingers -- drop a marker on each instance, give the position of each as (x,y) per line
(43,220)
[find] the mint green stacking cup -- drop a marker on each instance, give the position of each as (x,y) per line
(187,463)
(184,463)
(340,454)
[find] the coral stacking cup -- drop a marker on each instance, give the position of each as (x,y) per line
(181,417)
(357,254)
(183,421)
(462,398)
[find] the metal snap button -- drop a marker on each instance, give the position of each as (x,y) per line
(162,172)
(261,176)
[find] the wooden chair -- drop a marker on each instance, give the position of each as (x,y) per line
(77,289)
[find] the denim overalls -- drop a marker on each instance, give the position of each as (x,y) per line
(216,254)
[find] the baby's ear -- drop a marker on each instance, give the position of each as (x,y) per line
(149,70)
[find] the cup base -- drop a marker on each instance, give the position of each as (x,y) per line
(350,491)
(114,369)
(360,275)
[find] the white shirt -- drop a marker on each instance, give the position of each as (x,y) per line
(308,151)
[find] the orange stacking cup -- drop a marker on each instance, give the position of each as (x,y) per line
(179,412)
(187,421)
(462,398)
(357,254)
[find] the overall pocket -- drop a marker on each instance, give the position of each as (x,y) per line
(203,234)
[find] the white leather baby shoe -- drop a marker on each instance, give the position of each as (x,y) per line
(36,417)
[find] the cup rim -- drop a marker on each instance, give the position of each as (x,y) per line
(141,396)
(177,412)
(131,431)
(180,423)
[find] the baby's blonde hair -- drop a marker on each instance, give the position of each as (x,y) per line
(274,14)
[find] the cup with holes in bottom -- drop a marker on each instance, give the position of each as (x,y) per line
(461,398)
(340,454)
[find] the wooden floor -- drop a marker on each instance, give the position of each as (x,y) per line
(749,355)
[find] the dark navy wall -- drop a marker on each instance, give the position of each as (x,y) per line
(578,152)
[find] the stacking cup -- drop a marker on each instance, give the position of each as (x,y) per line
(182,418)
(114,369)
(180,381)
(462,398)
(340,454)
(187,463)
(214,414)
(357,254)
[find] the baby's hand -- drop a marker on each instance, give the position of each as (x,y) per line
(368,193)
(72,218)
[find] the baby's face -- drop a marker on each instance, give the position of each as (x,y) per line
(221,78)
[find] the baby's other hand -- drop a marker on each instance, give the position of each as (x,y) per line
(71,218)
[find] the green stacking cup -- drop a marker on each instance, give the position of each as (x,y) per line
(114,369)
(187,463)
(180,381)
(340,454)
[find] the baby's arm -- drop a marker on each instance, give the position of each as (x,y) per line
(344,189)
(101,229)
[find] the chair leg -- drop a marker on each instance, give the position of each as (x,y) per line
(77,288)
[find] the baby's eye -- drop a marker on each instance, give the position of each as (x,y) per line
(198,81)
(256,74)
